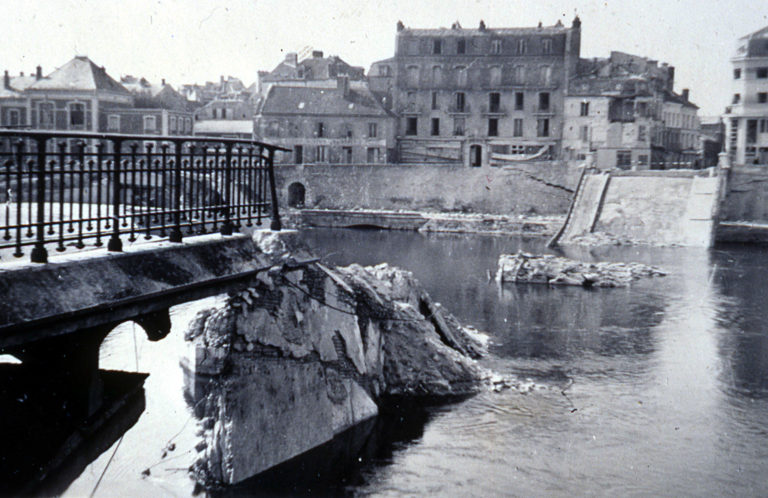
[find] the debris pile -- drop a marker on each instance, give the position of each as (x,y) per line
(554,270)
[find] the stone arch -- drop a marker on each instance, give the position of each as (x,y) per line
(296,195)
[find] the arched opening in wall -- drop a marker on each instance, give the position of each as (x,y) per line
(475,156)
(123,347)
(296,195)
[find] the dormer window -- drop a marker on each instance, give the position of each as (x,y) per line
(437,47)
(546,46)
(522,47)
(461,46)
(495,46)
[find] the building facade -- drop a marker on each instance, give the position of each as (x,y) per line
(746,119)
(478,96)
(320,125)
(622,112)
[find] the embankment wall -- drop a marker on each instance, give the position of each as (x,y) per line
(531,188)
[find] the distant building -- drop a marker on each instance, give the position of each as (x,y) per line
(340,124)
(478,96)
(623,111)
(746,119)
(14,111)
(230,88)
(712,140)
(317,70)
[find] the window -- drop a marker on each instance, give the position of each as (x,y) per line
(522,47)
(544,101)
(437,75)
(113,122)
(546,46)
(372,155)
(412,75)
(751,131)
(172,124)
(320,129)
(461,76)
(298,154)
(736,98)
(623,159)
(518,127)
(643,159)
(460,101)
(519,101)
(346,155)
(77,115)
(520,75)
(493,127)
(188,122)
(762,72)
(13,117)
(413,47)
(584,109)
(495,76)
(46,115)
(437,47)
(458,127)
(542,127)
(546,75)
(411,126)
(372,130)
(494,102)
(642,133)
(461,46)
(495,46)
(150,124)
(737,74)
(764,126)
(384,71)
(434,100)
(215,113)
(762,97)
(584,133)
(435,126)
(320,154)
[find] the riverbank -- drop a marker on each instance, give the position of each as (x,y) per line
(534,225)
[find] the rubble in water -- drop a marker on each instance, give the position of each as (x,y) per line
(554,270)
(308,351)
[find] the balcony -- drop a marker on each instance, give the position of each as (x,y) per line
(493,110)
(454,109)
(410,108)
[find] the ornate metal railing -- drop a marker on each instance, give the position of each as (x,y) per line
(66,188)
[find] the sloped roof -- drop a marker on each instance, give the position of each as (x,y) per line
(320,101)
(79,74)
(21,83)
(9,93)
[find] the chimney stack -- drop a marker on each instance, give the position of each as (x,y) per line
(317,54)
(163,82)
(7,80)
(39,73)
(686,93)
(292,58)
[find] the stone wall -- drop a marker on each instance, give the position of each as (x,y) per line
(530,188)
(307,352)
(747,196)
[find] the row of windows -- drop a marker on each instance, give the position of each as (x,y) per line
(458,75)
(460,46)
(494,102)
(322,154)
(175,125)
(762,98)
(459,127)
(761,73)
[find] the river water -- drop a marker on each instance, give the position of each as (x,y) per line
(656,389)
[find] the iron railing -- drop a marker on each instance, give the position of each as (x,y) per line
(66,188)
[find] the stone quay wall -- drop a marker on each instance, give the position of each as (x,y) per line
(541,188)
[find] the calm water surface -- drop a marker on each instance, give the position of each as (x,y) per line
(661,388)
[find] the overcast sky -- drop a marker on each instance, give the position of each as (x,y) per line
(187,41)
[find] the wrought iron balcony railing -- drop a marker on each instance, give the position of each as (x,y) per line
(66,188)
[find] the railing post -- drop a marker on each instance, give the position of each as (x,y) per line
(115,244)
(39,254)
(275,225)
(175,235)
(226,227)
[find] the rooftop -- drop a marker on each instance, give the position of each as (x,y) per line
(79,74)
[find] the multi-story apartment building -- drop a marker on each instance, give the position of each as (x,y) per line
(746,119)
(314,71)
(340,125)
(478,96)
(623,112)
(13,106)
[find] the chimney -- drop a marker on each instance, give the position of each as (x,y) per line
(21,73)
(317,54)
(162,82)
(39,73)
(686,93)
(342,83)
(7,80)
(292,58)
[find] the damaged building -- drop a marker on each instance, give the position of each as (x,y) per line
(622,112)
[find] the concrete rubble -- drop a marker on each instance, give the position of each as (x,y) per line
(553,270)
(308,351)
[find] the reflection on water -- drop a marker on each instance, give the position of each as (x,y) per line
(655,389)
